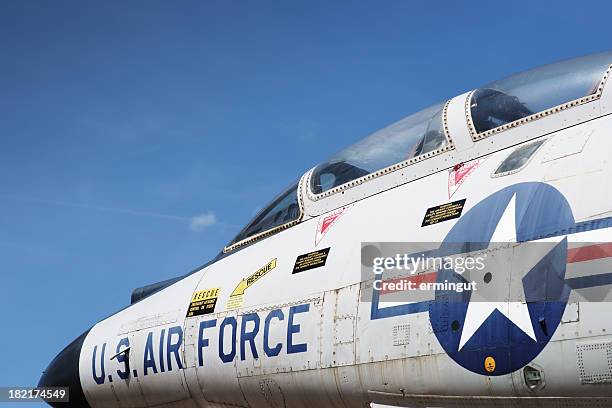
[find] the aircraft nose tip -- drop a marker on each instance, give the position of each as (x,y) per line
(63,371)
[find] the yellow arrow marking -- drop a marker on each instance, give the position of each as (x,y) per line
(254,277)
(240,288)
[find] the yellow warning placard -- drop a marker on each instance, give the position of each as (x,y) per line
(203,302)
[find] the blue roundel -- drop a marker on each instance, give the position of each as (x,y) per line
(493,343)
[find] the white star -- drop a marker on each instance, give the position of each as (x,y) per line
(478,310)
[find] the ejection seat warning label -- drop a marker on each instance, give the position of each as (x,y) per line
(203,302)
(310,260)
(443,212)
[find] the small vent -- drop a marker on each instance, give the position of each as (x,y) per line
(401,334)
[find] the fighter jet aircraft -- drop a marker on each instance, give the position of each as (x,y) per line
(312,303)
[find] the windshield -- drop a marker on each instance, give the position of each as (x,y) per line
(536,90)
(413,136)
(282,210)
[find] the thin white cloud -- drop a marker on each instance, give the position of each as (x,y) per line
(197,223)
(202,221)
(117,210)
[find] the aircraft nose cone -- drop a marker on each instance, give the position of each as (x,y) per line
(63,371)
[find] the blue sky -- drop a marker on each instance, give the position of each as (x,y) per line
(136,138)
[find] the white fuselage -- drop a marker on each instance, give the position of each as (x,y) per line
(283,339)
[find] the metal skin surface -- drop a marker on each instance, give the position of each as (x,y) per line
(284,339)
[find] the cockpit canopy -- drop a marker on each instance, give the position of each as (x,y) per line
(416,135)
(536,90)
(282,211)
(421,135)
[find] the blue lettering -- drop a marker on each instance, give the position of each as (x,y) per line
(274,351)
(161,351)
(248,336)
(98,379)
(202,342)
(121,358)
(149,356)
(295,328)
(173,348)
(230,320)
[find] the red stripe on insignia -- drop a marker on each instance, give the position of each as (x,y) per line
(581,254)
(589,252)
(417,279)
